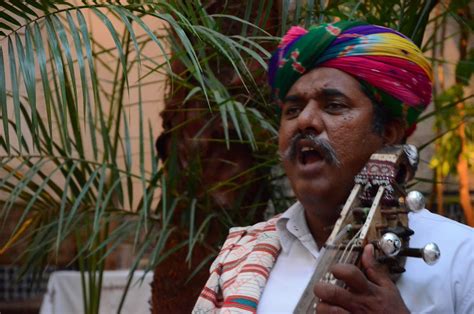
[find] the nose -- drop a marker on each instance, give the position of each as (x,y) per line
(310,118)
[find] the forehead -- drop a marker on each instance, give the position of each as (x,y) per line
(326,78)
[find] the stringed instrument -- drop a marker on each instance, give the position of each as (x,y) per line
(376,211)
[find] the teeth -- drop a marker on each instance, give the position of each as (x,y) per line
(307,149)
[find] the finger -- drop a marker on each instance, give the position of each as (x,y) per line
(333,294)
(376,273)
(368,258)
(352,276)
(323,307)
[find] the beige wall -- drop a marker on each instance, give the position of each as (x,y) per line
(152,91)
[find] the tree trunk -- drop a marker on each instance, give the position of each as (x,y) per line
(462,168)
(198,140)
(462,165)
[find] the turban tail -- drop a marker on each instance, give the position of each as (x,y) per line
(388,64)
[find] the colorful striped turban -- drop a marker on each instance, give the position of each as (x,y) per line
(388,64)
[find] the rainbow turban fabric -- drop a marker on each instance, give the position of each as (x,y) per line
(388,64)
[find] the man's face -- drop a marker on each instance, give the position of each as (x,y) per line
(327,105)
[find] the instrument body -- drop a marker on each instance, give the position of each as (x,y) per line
(375,212)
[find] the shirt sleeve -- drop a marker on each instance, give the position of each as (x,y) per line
(464,276)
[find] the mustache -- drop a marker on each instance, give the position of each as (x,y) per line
(323,147)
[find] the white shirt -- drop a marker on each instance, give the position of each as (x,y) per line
(446,287)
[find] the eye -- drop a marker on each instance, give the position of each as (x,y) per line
(336,106)
(291,110)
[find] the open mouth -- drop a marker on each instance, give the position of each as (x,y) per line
(308,155)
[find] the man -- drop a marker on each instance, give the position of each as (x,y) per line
(345,90)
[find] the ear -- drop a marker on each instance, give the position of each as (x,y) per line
(394,132)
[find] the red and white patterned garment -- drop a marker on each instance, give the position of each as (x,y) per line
(240,271)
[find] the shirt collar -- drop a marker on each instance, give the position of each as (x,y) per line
(292,226)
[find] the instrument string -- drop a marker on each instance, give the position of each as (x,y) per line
(336,247)
(346,231)
(347,249)
(351,245)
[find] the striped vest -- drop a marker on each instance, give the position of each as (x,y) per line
(239,273)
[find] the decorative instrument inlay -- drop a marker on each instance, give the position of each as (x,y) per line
(375,212)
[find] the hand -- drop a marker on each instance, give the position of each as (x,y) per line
(371,293)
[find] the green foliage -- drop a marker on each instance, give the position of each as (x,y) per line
(448,122)
(70,163)
(408,17)
(465,68)
(453,109)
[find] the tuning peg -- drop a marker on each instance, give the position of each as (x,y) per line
(430,253)
(415,201)
(412,154)
(390,244)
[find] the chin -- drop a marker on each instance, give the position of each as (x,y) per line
(321,198)
(312,194)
